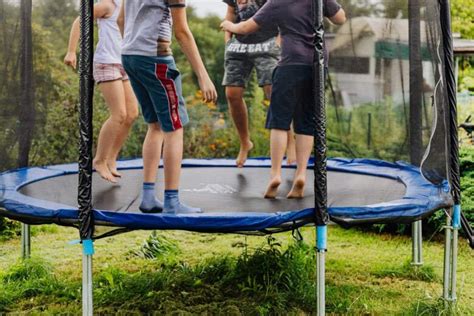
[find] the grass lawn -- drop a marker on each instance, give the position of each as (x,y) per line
(187,273)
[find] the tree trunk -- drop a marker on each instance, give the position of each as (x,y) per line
(26,113)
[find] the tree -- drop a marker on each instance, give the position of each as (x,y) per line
(462,13)
(9,81)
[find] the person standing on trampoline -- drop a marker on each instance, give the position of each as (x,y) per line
(147,26)
(259,50)
(113,83)
(292,93)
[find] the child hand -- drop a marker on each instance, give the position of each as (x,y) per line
(70,60)
(226,26)
(209,93)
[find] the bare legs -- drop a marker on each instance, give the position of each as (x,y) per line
(172,144)
(290,148)
(123,109)
(278,144)
(239,113)
(172,156)
(131,105)
(152,147)
(290,144)
(304,146)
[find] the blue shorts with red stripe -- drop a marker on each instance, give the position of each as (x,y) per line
(157,84)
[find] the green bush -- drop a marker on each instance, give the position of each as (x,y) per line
(467,182)
(8,229)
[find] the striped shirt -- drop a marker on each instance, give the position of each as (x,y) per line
(148,27)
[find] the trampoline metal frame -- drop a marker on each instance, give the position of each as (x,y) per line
(453,215)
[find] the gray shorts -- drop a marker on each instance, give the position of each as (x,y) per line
(240,59)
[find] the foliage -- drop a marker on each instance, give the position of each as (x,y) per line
(157,246)
(351,135)
(466,75)
(424,273)
(467,181)
(463,23)
(9,81)
(30,278)
(462,18)
(8,228)
(209,277)
(272,280)
(210,133)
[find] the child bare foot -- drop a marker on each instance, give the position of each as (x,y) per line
(272,189)
(297,191)
(243,154)
(103,170)
(113,169)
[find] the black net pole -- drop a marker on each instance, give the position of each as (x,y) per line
(321,216)
(454,221)
(416,110)
(416,83)
(86,228)
(27,99)
(320,148)
(450,80)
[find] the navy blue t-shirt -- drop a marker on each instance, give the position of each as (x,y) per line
(294,19)
(246,9)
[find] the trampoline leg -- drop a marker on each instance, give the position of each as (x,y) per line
(417,243)
(87,296)
(25,241)
(321,242)
(454,250)
(454,263)
(447,260)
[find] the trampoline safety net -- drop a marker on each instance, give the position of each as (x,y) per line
(387,125)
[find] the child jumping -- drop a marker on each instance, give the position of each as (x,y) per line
(259,50)
(292,93)
(147,26)
(113,83)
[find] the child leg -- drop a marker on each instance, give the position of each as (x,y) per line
(172,157)
(131,108)
(239,113)
(151,160)
(114,98)
(304,146)
(291,148)
(278,143)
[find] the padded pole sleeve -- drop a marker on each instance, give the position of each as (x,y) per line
(320,148)
(86,227)
(453,141)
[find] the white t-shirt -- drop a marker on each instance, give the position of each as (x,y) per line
(108,50)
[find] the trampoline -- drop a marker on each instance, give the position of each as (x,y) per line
(359,191)
(393,96)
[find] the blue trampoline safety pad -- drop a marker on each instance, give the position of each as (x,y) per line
(360,191)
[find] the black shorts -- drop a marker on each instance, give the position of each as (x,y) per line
(292,99)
